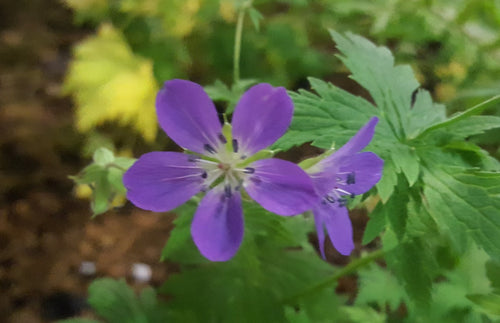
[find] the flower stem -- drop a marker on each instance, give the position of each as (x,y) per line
(347,270)
(237,44)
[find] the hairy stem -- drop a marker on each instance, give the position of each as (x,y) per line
(347,270)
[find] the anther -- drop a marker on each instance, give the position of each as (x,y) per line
(330,199)
(227,191)
(342,202)
(235,145)
(192,158)
(222,138)
(204,175)
(351,178)
(249,170)
(209,148)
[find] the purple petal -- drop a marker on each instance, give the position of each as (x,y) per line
(338,225)
(365,170)
(280,187)
(261,116)
(217,227)
(161,181)
(359,141)
(320,230)
(355,174)
(188,116)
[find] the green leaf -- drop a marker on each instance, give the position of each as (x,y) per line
(390,86)
(488,303)
(116,302)
(395,210)
(375,225)
(385,187)
(465,204)
(256,17)
(104,176)
(407,161)
(412,262)
(103,156)
(463,115)
(180,247)
(380,287)
(358,314)
(110,83)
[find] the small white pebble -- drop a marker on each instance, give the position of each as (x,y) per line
(87,268)
(141,272)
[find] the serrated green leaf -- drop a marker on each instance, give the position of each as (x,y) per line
(463,207)
(463,115)
(396,208)
(379,286)
(385,187)
(117,303)
(390,86)
(412,262)
(375,225)
(407,161)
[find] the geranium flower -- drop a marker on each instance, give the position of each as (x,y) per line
(346,172)
(219,165)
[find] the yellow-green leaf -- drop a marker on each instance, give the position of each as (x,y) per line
(110,83)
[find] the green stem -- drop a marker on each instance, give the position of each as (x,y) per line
(237,44)
(347,270)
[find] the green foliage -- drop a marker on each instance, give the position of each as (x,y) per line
(104,176)
(115,302)
(268,271)
(422,194)
(378,286)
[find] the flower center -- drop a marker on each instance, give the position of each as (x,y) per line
(221,167)
(338,194)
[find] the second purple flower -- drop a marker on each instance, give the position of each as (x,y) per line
(219,164)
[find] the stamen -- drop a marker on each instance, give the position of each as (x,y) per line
(209,148)
(342,201)
(235,145)
(193,158)
(204,175)
(227,191)
(351,179)
(222,138)
(330,199)
(344,192)
(249,170)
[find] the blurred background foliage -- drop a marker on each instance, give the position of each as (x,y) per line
(452,45)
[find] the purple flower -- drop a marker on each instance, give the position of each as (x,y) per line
(346,172)
(220,164)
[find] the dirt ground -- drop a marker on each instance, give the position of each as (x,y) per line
(45,231)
